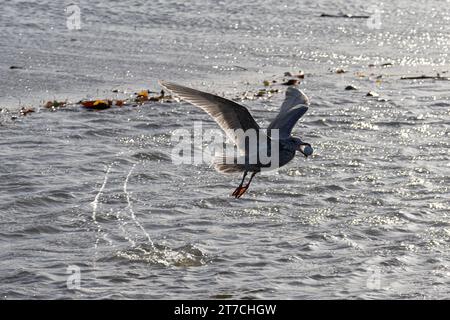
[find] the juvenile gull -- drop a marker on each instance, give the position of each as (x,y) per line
(231,116)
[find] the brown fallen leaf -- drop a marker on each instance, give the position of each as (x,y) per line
(120,103)
(97,104)
(55,104)
(24,111)
(300,74)
(87,104)
(291,82)
(142,96)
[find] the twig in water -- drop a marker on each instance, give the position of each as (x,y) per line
(436,77)
(348,16)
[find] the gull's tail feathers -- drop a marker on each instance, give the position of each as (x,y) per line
(225,164)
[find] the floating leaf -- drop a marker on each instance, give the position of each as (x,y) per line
(120,103)
(291,82)
(142,96)
(300,74)
(55,104)
(87,104)
(143,93)
(261,93)
(24,111)
(97,104)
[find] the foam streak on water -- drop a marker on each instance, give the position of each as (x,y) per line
(130,208)
(95,207)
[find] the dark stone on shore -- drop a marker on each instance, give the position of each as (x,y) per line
(350,87)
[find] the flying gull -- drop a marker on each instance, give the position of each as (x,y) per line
(231,116)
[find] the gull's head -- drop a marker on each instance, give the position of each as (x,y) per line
(306,149)
(303,147)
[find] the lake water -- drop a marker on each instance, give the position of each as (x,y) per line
(97,194)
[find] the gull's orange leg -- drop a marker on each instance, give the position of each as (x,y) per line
(238,189)
(241,190)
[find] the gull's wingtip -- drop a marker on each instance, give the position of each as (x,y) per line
(169,85)
(298,95)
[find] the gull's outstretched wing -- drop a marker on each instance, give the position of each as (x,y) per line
(229,115)
(292,109)
(293,98)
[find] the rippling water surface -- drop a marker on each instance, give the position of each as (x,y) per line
(366,217)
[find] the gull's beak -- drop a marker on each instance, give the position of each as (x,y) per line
(306,149)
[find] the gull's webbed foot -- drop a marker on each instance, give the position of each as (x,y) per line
(239,191)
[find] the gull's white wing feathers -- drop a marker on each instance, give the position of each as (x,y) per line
(293,108)
(229,115)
